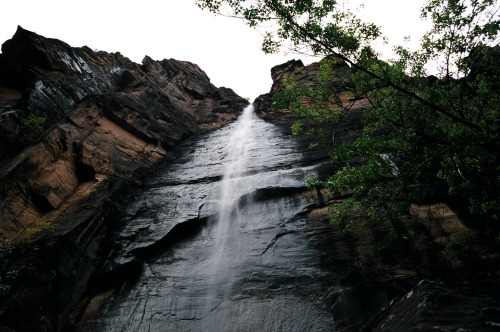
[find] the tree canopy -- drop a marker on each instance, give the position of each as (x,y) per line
(434,125)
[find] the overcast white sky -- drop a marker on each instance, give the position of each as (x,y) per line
(226,49)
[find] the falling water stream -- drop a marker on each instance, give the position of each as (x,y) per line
(249,265)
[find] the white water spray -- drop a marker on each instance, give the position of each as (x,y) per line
(235,182)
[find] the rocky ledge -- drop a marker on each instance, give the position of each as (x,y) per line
(78,130)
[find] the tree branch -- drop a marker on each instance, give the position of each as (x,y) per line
(286,16)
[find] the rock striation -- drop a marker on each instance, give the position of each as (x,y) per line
(78,130)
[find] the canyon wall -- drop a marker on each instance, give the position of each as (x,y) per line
(79,129)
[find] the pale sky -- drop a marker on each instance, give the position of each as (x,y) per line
(226,49)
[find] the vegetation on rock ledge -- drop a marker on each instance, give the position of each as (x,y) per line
(426,136)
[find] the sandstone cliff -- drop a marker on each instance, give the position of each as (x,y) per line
(78,129)
(104,117)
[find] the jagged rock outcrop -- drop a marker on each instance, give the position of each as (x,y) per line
(350,126)
(105,116)
(307,75)
(78,129)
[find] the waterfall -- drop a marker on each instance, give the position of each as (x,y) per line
(237,155)
(250,265)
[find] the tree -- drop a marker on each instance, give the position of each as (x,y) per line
(424,134)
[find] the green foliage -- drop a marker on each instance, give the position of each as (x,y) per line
(424,136)
(39,230)
(18,135)
(312,181)
(296,129)
(7,274)
(31,128)
(314,26)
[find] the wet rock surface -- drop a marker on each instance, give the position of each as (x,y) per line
(263,258)
(250,266)
(223,272)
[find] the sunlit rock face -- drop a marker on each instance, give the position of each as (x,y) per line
(104,123)
(104,116)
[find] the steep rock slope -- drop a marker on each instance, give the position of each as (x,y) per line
(78,129)
(104,116)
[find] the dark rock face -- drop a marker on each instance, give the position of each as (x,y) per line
(155,262)
(453,304)
(105,123)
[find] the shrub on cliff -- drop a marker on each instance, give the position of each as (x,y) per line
(19,133)
(7,273)
(31,129)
